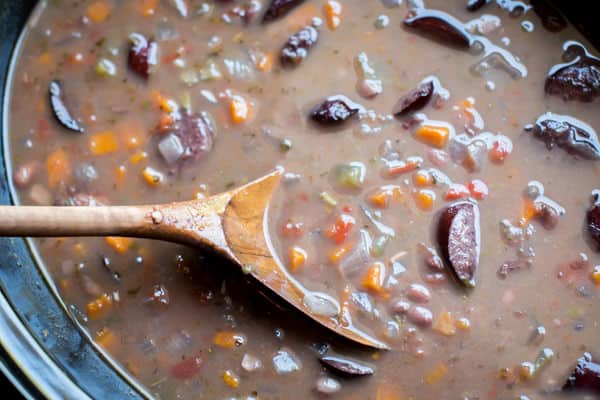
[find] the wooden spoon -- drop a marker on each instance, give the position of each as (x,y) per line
(232,223)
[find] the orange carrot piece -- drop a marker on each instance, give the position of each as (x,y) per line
(133,140)
(401,167)
(147,7)
(239,109)
(138,157)
(339,252)
(98,11)
(264,62)
(231,379)
(228,339)
(456,191)
(297,257)
(433,135)
(98,308)
(152,176)
(166,123)
(46,59)
(435,375)
(445,324)
(119,244)
(58,168)
(380,199)
(333,13)
(106,339)
(424,199)
(373,279)
(422,178)
(103,143)
(529,212)
(479,190)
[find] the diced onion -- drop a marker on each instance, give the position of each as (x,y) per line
(171,148)
(321,304)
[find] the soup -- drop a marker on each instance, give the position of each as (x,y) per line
(440,190)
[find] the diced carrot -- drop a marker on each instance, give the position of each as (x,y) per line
(333,13)
(445,324)
(501,148)
(239,109)
(228,339)
(338,232)
(373,279)
(338,253)
(106,338)
(133,140)
(231,379)
(103,143)
(380,199)
(463,324)
(596,275)
(98,11)
(433,135)
(435,375)
(529,212)
(424,199)
(164,103)
(58,168)
(456,191)
(64,284)
(152,176)
(77,58)
(46,59)
(401,167)
(120,175)
(98,308)
(147,7)
(119,244)
(138,157)
(297,257)
(422,178)
(388,391)
(264,62)
(166,123)
(478,189)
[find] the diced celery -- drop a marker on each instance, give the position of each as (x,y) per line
(351,175)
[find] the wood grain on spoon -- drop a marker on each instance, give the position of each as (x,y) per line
(233,223)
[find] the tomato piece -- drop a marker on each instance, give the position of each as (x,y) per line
(338,232)
(479,190)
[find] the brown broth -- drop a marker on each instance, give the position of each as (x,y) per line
(207,296)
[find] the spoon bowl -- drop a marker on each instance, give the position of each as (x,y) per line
(233,224)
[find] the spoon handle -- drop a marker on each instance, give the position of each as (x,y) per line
(74,221)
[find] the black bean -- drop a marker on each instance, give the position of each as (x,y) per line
(297,47)
(585,376)
(335,110)
(440,26)
(573,135)
(279,8)
(414,100)
(475,5)
(578,79)
(592,220)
